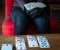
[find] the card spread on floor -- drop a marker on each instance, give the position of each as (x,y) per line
(6,47)
(32,42)
(43,42)
(20,43)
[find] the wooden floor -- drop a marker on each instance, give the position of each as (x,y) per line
(54,41)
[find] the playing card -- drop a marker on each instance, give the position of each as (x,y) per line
(6,47)
(20,43)
(32,5)
(43,42)
(32,42)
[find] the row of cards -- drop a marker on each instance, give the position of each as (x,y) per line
(39,41)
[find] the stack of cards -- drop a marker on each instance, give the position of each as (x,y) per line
(32,42)
(20,43)
(43,42)
(32,5)
(6,47)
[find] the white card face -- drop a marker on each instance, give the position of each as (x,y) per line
(32,5)
(32,42)
(6,47)
(43,42)
(20,43)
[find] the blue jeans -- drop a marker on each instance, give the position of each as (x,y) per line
(20,19)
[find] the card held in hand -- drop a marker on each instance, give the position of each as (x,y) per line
(32,5)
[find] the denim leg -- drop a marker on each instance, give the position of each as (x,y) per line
(42,24)
(19,19)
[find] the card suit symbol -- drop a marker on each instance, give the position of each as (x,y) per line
(45,40)
(20,45)
(20,48)
(44,44)
(41,41)
(33,45)
(7,45)
(31,40)
(18,40)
